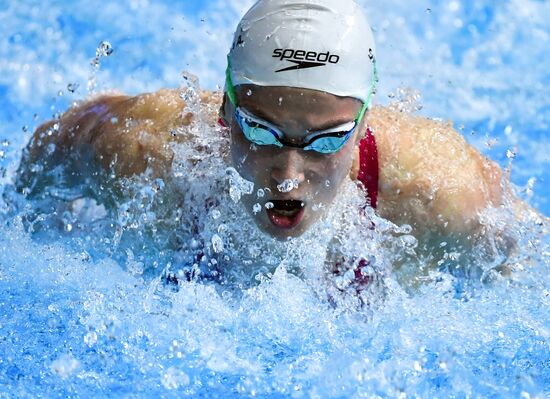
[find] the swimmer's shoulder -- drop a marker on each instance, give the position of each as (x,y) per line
(128,134)
(138,132)
(428,172)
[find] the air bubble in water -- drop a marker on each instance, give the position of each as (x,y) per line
(280,100)
(511,154)
(257,208)
(260,193)
(288,185)
(217,243)
(269,205)
(249,92)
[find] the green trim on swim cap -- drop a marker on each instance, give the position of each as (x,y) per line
(229,88)
(367,103)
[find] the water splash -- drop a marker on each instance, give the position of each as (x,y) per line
(280,335)
(104,49)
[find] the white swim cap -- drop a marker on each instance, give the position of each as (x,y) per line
(324,45)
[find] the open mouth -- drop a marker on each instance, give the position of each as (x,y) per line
(286,214)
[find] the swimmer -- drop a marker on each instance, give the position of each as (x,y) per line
(297,104)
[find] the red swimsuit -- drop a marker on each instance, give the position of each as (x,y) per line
(368,166)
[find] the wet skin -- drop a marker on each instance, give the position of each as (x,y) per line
(296,112)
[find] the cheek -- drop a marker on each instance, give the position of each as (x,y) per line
(338,166)
(250,163)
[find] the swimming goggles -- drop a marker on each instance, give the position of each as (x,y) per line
(263,133)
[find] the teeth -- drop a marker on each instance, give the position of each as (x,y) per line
(287,213)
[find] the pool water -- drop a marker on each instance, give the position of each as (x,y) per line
(86,309)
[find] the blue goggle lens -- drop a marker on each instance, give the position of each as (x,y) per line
(328,145)
(257,133)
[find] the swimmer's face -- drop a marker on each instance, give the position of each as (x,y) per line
(318,176)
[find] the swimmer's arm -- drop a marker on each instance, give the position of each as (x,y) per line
(430,177)
(120,134)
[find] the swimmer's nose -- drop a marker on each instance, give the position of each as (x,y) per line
(288,164)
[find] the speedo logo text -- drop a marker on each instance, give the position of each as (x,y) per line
(303,59)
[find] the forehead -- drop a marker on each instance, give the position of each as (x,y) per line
(282,105)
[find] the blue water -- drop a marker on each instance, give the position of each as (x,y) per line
(80,316)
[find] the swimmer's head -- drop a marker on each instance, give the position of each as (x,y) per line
(301,70)
(324,45)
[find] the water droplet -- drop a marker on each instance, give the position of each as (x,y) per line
(237,185)
(260,193)
(269,205)
(104,49)
(2,154)
(280,100)
(317,207)
(60,93)
(217,243)
(72,87)
(216,214)
(288,185)
(491,143)
(5,143)
(327,183)
(50,149)
(257,208)
(90,339)
(64,366)
(249,92)
(417,366)
(511,154)
(174,378)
